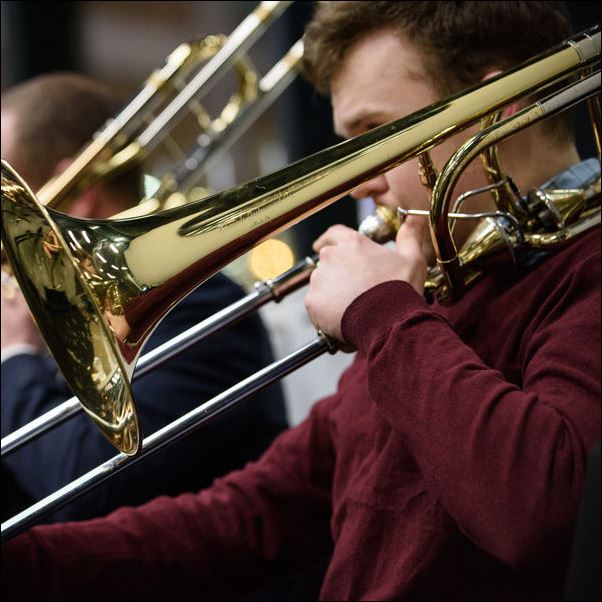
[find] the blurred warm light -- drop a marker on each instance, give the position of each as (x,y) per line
(270,258)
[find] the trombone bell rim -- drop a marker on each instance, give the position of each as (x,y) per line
(59,292)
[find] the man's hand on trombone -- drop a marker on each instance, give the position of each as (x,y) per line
(350,264)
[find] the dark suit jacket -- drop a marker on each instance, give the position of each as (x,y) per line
(31,386)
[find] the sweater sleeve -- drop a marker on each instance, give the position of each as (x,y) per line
(507,462)
(237,536)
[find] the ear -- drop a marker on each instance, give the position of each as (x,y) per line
(511,108)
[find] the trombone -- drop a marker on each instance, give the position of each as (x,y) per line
(114,292)
(135,132)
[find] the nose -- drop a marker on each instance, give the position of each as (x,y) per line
(372,188)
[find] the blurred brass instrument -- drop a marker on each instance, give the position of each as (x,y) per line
(98,288)
(170,95)
(191,70)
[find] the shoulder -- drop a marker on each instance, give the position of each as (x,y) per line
(30,365)
(565,289)
(580,259)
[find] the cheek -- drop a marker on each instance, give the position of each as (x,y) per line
(406,187)
(473,176)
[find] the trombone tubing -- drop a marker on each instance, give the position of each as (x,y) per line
(264,292)
(174,431)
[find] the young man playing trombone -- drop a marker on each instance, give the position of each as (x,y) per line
(449,463)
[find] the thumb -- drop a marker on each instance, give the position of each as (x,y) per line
(413,234)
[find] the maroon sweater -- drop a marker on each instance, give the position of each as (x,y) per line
(448,465)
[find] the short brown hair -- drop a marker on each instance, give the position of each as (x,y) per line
(55,115)
(459,41)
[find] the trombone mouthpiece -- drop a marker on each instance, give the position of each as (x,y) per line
(381,226)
